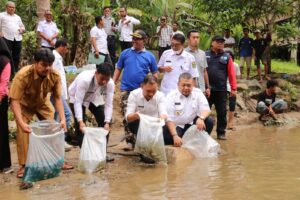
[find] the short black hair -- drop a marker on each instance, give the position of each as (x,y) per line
(104,69)
(272,83)
(105,7)
(150,79)
(179,37)
(245,29)
(60,42)
(44,55)
(185,75)
(123,7)
(190,32)
(98,19)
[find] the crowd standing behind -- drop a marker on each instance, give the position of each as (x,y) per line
(193,80)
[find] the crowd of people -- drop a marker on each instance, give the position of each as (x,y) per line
(193,80)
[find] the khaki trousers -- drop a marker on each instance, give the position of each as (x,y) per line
(44,112)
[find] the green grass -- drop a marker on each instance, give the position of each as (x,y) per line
(285,67)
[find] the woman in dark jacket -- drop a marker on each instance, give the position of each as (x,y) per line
(5,73)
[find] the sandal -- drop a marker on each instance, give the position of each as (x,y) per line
(67,167)
(20,172)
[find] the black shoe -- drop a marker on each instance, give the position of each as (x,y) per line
(221,137)
(147,160)
(109,159)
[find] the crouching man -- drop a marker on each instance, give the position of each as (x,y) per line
(145,100)
(186,106)
(267,105)
(29,96)
(92,89)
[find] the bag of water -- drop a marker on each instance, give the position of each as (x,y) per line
(150,140)
(93,150)
(45,155)
(199,143)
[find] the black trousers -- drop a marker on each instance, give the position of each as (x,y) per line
(125,45)
(108,60)
(98,113)
(162,49)
(111,45)
(168,138)
(50,48)
(5,160)
(219,99)
(15,47)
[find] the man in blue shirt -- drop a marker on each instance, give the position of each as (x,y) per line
(136,63)
(245,48)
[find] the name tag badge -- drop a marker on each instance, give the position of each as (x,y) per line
(140,106)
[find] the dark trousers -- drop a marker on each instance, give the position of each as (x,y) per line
(134,126)
(219,99)
(98,113)
(108,60)
(168,138)
(5,160)
(15,47)
(125,45)
(232,103)
(162,49)
(50,48)
(111,45)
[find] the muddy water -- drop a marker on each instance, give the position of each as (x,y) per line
(257,164)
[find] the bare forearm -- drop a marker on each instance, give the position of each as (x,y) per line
(16,108)
(172,128)
(60,108)
(116,75)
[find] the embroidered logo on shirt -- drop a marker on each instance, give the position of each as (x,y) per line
(194,64)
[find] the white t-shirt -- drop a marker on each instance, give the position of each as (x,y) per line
(101,39)
(58,65)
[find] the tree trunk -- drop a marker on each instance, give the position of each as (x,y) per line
(41,6)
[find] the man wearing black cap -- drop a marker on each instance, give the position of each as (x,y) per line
(220,68)
(136,63)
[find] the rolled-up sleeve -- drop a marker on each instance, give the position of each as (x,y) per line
(170,107)
(81,90)
(108,110)
(162,106)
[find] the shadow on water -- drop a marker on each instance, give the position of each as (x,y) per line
(258,164)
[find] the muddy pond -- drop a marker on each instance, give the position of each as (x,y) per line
(260,163)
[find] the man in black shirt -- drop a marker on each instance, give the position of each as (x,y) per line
(267,104)
(260,45)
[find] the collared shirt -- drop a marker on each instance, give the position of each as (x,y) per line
(229,40)
(109,22)
(182,63)
(200,58)
(101,39)
(183,110)
(127,29)
(137,103)
(10,26)
(31,90)
(165,36)
(85,90)
(135,65)
(58,65)
(48,29)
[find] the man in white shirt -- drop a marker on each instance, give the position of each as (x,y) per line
(61,49)
(186,106)
(229,41)
(47,31)
(200,57)
(99,40)
(109,27)
(174,62)
(164,32)
(145,100)
(125,28)
(11,29)
(93,90)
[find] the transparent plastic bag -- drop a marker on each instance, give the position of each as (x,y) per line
(199,143)
(45,155)
(93,150)
(150,140)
